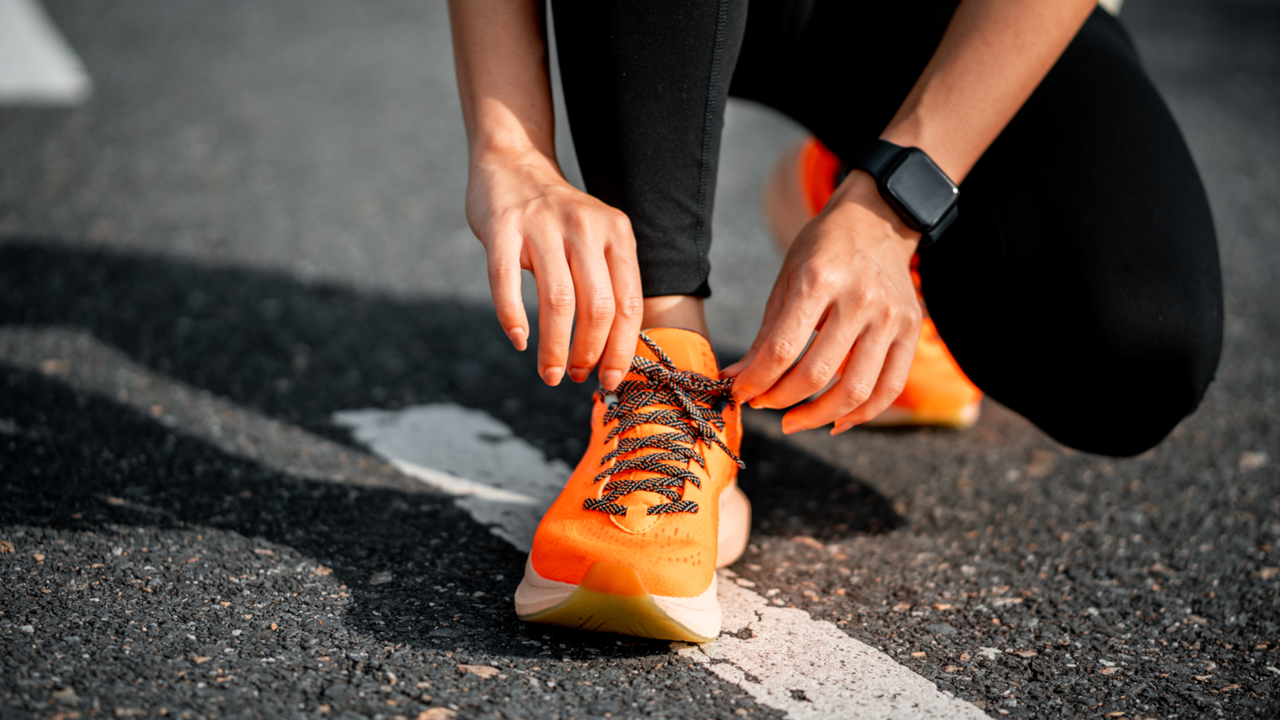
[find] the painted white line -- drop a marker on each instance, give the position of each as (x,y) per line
(811,669)
(505,483)
(37,66)
(804,667)
(459,486)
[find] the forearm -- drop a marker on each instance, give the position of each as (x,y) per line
(500,52)
(581,252)
(992,57)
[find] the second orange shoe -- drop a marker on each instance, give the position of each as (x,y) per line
(937,393)
(632,543)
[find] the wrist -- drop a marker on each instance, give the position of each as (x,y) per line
(912,131)
(857,204)
(506,156)
(499,179)
(499,139)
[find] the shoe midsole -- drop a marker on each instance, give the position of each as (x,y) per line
(894,416)
(735,526)
(700,614)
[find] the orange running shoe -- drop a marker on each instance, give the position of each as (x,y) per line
(937,393)
(632,543)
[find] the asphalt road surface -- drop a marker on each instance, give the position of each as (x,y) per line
(233,272)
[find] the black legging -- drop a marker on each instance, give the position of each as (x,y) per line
(1080,284)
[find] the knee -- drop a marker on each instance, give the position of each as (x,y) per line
(1130,391)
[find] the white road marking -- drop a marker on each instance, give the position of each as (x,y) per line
(458,486)
(505,483)
(789,651)
(804,667)
(37,66)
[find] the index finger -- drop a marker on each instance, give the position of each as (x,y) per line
(504,284)
(780,347)
(771,309)
(624,270)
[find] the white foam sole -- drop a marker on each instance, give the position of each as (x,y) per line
(700,614)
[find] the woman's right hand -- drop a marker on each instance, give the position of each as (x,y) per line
(582,254)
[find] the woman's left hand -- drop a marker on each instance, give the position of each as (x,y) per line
(846,277)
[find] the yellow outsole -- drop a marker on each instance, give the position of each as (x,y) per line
(611,598)
(956,419)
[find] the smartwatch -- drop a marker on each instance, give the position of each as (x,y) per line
(913,185)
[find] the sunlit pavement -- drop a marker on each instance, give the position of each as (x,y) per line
(252,231)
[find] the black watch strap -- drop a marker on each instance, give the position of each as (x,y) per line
(876,157)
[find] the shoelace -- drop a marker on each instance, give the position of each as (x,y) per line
(696,403)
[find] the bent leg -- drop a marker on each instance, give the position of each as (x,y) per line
(645,84)
(1080,286)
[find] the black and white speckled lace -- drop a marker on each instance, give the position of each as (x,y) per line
(694,405)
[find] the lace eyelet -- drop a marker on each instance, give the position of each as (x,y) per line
(681,402)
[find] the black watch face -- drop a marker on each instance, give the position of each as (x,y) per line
(921,189)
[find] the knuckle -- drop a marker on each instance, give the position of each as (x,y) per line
(560,299)
(899,315)
(867,295)
(892,313)
(894,387)
(817,281)
(856,393)
(504,222)
(819,274)
(619,223)
(910,315)
(631,308)
(507,230)
(780,350)
(817,374)
(580,218)
(600,312)
(503,271)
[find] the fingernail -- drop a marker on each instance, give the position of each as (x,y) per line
(611,379)
(579,374)
(790,426)
(552,375)
(841,427)
(741,397)
(517,337)
(758,404)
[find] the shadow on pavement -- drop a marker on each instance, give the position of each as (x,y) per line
(300,352)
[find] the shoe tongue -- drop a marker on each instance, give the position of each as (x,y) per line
(686,348)
(638,519)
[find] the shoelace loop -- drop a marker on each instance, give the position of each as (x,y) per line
(694,410)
